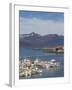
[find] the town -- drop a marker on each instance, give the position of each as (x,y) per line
(28,67)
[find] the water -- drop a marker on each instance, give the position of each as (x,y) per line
(33,54)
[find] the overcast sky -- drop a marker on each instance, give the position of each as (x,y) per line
(41,22)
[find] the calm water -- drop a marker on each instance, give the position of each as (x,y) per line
(33,54)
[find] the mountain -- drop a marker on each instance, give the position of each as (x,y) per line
(33,34)
(34,40)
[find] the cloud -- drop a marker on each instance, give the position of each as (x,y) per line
(41,26)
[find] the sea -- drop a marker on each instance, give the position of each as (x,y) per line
(51,73)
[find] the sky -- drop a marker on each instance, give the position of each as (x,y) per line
(41,22)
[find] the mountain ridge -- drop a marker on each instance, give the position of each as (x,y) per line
(34,40)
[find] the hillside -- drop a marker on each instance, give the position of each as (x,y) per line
(34,40)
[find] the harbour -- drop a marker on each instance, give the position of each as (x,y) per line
(38,65)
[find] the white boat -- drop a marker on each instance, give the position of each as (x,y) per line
(39,71)
(53,60)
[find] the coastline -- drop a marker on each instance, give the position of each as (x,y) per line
(57,50)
